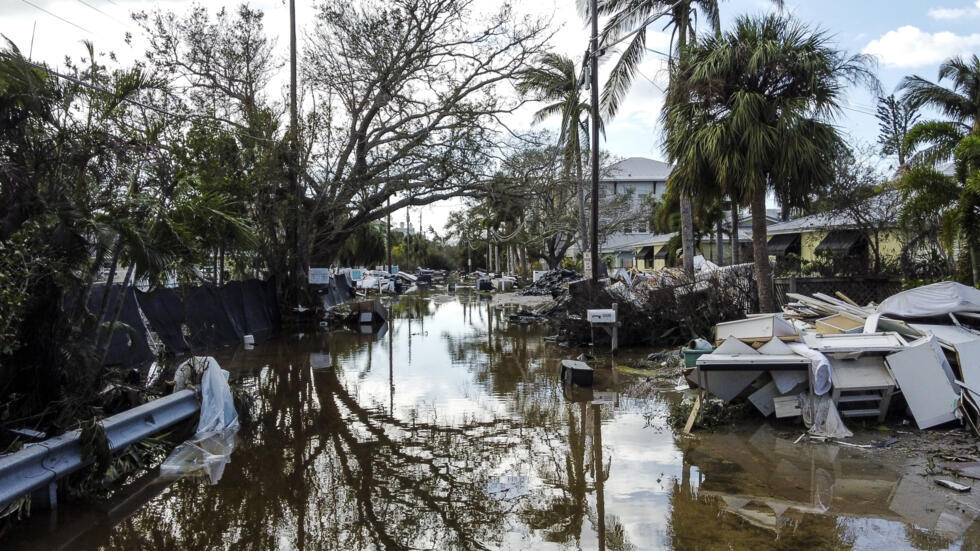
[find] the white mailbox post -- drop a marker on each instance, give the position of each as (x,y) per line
(606,319)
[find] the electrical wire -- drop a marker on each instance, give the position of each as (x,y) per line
(32,4)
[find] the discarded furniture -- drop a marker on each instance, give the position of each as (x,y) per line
(839,323)
(927,382)
(734,365)
(855,344)
(760,328)
(863,387)
(576,372)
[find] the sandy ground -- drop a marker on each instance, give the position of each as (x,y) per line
(510,299)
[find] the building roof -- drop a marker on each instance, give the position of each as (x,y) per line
(637,169)
(883,205)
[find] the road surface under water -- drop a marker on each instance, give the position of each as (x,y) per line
(449,430)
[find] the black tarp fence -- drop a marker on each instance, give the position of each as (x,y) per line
(338,291)
(210,316)
(129,346)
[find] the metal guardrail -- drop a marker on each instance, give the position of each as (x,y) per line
(38,466)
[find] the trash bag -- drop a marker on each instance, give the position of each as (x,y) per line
(821,417)
(210,450)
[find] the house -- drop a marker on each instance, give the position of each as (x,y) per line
(838,237)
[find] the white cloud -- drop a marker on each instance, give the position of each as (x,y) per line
(946,14)
(909,46)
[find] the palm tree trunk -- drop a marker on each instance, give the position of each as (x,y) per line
(975,263)
(734,237)
(687,234)
(687,216)
(719,245)
(760,254)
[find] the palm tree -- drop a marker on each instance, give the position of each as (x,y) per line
(554,79)
(961,103)
(758,111)
(634,16)
(956,199)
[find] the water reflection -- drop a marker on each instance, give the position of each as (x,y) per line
(449,431)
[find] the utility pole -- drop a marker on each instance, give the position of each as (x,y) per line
(594,89)
(388,238)
(293,227)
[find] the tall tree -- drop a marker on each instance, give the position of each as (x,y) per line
(554,80)
(956,138)
(761,102)
(896,116)
(634,16)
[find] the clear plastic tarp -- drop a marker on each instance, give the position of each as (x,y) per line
(209,451)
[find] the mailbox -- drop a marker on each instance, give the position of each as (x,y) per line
(601,316)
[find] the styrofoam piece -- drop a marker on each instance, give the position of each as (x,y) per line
(865,372)
(734,346)
(726,384)
(757,327)
(926,380)
(775,347)
(859,342)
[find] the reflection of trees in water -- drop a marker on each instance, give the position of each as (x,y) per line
(337,476)
(319,470)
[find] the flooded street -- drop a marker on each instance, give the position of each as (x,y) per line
(449,430)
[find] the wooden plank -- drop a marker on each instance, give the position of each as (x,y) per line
(694,413)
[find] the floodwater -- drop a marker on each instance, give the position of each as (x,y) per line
(449,430)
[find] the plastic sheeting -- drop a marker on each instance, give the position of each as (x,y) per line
(819,367)
(937,299)
(209,451)
(821,417)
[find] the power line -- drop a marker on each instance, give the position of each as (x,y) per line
(84,3)
(29,3)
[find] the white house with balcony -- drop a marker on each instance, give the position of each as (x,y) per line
(641,178)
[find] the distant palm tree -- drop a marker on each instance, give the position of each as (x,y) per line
(760,100)
(628,16)
(554,80)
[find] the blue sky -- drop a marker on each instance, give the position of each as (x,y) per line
(908,36)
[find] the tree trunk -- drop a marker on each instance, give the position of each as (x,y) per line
(975,263)
(719,245)
(763,271)
(687,216)
(687,234)
(734,238)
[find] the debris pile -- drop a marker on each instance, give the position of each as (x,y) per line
(551,283)
(827,358)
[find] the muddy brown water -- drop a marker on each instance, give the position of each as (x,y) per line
(449,430)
